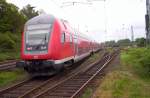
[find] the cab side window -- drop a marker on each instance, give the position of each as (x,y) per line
(63,37)
(71,39)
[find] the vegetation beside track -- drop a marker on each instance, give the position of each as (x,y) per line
(9,55)
(87,93)
(9,77)
(137,59)
(130,79)
(12,20)
(9,46)
(93,58)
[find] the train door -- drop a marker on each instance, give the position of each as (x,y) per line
(75,45)
(66,41)
(63,44)
(71,45)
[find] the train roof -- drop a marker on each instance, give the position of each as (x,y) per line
(47,19)
(43,19)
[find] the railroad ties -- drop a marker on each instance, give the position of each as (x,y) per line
(8,65)
(72,86)
(59,86)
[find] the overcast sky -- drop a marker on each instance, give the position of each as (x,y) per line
(110,20)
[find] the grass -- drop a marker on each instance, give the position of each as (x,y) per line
(9,46)
(125,81)
(88,92)
(109,49)
(9,55)
(7,77)
(122,84)
(137,59)
(97,55)
(93,58)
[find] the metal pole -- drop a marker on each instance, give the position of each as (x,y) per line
(132,34)
(147,22)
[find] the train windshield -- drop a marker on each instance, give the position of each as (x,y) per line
(37,37)
(37,34)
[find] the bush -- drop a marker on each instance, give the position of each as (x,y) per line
(139,58)
(7,42)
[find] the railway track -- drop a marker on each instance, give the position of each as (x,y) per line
(62,85)
(8,64)
(72,86)
(14,91)
(17,90)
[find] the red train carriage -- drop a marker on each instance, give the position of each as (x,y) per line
(48,43)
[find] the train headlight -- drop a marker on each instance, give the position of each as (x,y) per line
(29,48)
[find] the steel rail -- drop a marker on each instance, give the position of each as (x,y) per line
(90,79)
(33,91)
(38,87)
(8,61)
(27,94)
(8,65)
(59,83)
(13,86)
(67,79)
(6,92)
(20,88)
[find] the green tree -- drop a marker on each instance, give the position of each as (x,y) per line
(29,12)
(10,18)
(124,42)
(111,43)
(11,25)
(141,42)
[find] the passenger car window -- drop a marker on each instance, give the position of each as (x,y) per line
(63,37)
(65,25)
(71,38)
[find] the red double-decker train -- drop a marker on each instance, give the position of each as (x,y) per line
(48,43)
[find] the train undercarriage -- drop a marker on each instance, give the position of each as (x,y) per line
(40,68)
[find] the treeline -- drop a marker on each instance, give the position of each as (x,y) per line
(12,21)
(139,42)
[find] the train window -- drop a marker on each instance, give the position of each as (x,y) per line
(39,26)
(63,37)
(65,25)
(75,40)
(71,39)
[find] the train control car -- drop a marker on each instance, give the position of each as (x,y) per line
(48,43)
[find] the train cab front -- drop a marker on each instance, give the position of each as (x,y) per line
(35,50)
